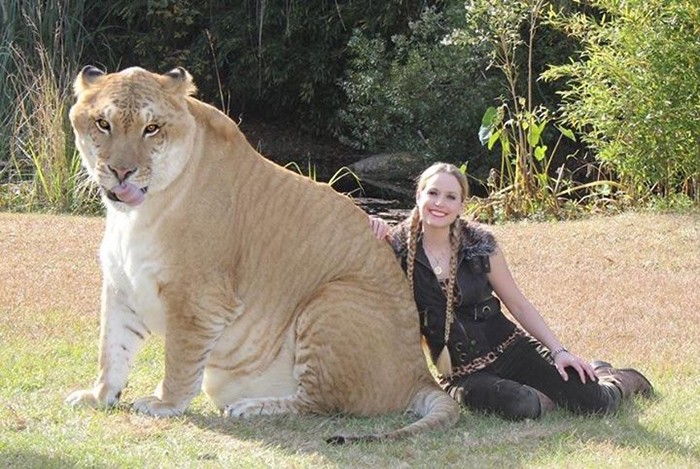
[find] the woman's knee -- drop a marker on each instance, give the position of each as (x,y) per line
(518,401)
(604,399)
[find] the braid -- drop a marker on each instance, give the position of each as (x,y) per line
(455,232)
(444,362)
(412,243)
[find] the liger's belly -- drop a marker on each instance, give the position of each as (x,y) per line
(247,373)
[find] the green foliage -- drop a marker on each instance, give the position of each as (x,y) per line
(533,179)
(398,75)
(634,92)
(36,31)
(40,51)
(275,59)
(525,185)
(420,91)
(157,35)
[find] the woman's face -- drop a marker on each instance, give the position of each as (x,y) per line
(440,201)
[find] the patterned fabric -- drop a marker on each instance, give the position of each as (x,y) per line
(479,363)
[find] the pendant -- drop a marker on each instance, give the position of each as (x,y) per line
(437,270)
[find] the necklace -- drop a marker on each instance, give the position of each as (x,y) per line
(435,261)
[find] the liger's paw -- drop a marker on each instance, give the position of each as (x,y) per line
(100,397)
(245,408)
(83,398)
(151,405)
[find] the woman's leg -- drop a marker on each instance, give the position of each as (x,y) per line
(486,392)
(524,363)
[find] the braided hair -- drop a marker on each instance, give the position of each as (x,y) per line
(444,363)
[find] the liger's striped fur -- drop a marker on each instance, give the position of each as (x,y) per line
(272,293)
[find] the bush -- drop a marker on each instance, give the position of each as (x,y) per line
(418,91)
(633,93)
(269,59)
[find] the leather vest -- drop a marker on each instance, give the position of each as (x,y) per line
(475,332)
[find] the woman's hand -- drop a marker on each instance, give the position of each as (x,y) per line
(379,227)
(565,359)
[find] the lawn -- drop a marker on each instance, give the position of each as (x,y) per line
(623,288)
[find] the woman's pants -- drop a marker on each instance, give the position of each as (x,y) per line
(507,387)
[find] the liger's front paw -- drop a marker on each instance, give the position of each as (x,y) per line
(244,408)
(83,398)
(98,397)
(151,405)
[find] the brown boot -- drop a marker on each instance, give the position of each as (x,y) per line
(627,380)
(546,404)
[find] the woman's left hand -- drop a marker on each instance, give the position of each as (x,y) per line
(379,227)
(565,359)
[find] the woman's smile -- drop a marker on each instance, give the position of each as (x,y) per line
(440,201)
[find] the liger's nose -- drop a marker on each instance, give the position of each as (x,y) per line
(122,174)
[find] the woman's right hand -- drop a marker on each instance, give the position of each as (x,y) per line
(379,227)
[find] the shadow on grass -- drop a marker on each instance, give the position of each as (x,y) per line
(34,460)
(622,430)
(485,440)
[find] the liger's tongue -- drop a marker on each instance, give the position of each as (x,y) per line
(128,193)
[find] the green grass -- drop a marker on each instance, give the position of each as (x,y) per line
(49,296)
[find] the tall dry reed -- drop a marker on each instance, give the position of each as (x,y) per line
(40,55)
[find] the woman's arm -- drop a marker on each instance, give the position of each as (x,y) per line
(530,319)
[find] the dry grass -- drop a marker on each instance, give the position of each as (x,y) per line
(623,288)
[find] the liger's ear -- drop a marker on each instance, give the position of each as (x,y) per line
(179,81)
(88,76)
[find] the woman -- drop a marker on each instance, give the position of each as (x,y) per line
(485,361)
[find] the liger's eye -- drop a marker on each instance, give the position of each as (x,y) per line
(150,129)
(103,125)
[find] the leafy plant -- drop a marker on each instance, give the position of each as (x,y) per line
(526,184)
(279,59)
(419,91)
(633,92)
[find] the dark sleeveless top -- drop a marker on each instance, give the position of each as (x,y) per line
(480,331)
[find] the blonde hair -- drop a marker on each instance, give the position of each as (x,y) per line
(437,168)
(444,363)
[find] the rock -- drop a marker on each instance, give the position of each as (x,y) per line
(389,172)
(392,211)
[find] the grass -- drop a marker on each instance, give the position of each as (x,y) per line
(40,170)
(622,288)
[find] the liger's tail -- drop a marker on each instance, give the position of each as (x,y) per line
(435,407)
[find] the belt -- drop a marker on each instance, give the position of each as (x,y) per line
(480,311)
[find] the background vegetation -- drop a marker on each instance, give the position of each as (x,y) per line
(618,80)
(632,92)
